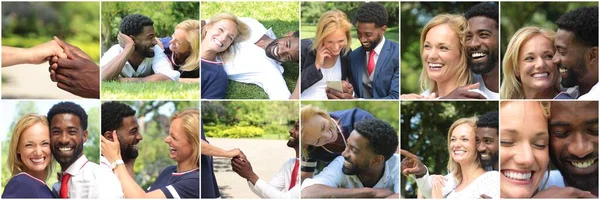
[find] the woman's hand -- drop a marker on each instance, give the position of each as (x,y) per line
(111,149)
(322,53)
(437,182)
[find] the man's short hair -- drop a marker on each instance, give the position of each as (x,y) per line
(489,10)
(488,120)
(112,115)
(372,13)
(67,107)
(583,22)
(134,24)
(382,137)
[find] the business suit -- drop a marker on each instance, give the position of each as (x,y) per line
(386,76)
(310,74)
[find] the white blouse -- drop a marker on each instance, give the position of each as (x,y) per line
(317,90)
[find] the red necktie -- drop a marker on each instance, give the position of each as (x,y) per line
(64,185)
(371,63)
(294,174)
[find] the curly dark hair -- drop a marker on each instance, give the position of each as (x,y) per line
(134,24)
(372,13)
(112,115)
(489,10)
(67,107)
(583,22)
(489,120)
(382,137)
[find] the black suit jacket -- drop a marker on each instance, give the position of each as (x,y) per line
(310,75)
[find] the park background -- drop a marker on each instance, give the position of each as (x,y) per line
(424,132)
(166,15)
(257,128)
(13,110)
(282,17)
(27,24)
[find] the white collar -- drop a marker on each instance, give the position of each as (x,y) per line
(76,167)
(379,46)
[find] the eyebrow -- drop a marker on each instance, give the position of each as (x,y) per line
(559,123)
(592,121)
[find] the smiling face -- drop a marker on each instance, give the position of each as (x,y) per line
(145,41)
(574,142)
(462,144)
(369,35)
(441,53)
(283,49)
(294,141)
(180,147)
(569,58)
(179,43)
(335,42)
(523,148)
(319,131)
(536,69)
(482,43)
(67,138)
(220,35)
(129,137)
(357,155)
(34,149)
(488,145)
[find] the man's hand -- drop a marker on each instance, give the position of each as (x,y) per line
(345,94)
(382,192)
(464,93)
(411,164)
(125,40)
(555,192)
(244,169)
(76,73)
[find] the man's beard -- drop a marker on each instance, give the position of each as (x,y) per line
(293,143)
(269,50)
(573,74)
(143,50)
(373,44)
(354,170)
(485,67)
(78,151)
(490,163)
(587,182)
(128,152)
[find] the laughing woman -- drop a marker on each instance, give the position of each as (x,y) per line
(177,181)
(29,159)
(183,48)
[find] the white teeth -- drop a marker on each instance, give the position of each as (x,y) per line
(65,148)
(276,51)
(485,155)
(459,152)
(38,160)
(583,164)
(218,42)
(478,55)
(539,75)
(517,175)
(563,70)
(435,65)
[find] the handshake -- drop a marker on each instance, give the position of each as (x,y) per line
(71,68)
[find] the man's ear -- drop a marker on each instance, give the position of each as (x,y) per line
(108,135)
(85,134)
(592,55)
(377,159)
(383,28)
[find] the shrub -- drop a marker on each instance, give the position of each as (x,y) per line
(233,132)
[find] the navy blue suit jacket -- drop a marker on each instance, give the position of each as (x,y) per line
(386,78)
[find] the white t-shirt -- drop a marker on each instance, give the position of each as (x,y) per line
(279,185)
(251,65)
(488,93)
(159,64)
(317,90)
(593,94)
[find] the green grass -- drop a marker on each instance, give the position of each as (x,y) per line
(282,17)
(391,33)
(153,90)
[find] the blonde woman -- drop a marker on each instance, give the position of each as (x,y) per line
(326,57)
(29,159)
(177,181)
(183,48)
(529,72)
(472,181)
(444,57)
(217,37)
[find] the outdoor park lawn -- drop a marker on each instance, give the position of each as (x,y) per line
(151,90)
(391,33)
(282,17)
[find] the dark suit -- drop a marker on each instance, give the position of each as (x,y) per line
(385,78)
(310,74)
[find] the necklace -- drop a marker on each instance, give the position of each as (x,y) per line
(339,130)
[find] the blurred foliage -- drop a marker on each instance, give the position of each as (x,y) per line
(383,110)
(312,11)
(154,119)
(166,15)
(282,17)
(91,148)
(414,17)
(235,119)
(424,127)
(516,15)
(26,24)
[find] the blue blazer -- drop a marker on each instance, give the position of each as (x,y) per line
(386,78)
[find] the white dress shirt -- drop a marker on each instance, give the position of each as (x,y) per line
(277,188)
(333,176)
(488,93)
(317,90)
(593,94)
(251,65)
(89,180)
(116,184)
(159,64)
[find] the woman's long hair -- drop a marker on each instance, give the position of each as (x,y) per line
(330,22)
(243,29)
(453,166)
(192,29)
(190,121)
(14,162)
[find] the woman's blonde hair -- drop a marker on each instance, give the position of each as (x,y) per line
(453,166)
(307,112)
(192,28)
(14,161)
(459,25)
(330,22)
(190,121)
(512,87)
(243,33)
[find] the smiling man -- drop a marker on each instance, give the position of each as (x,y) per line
(487,140)
(121,118)
(79,179)
(367,168)
(574,145)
